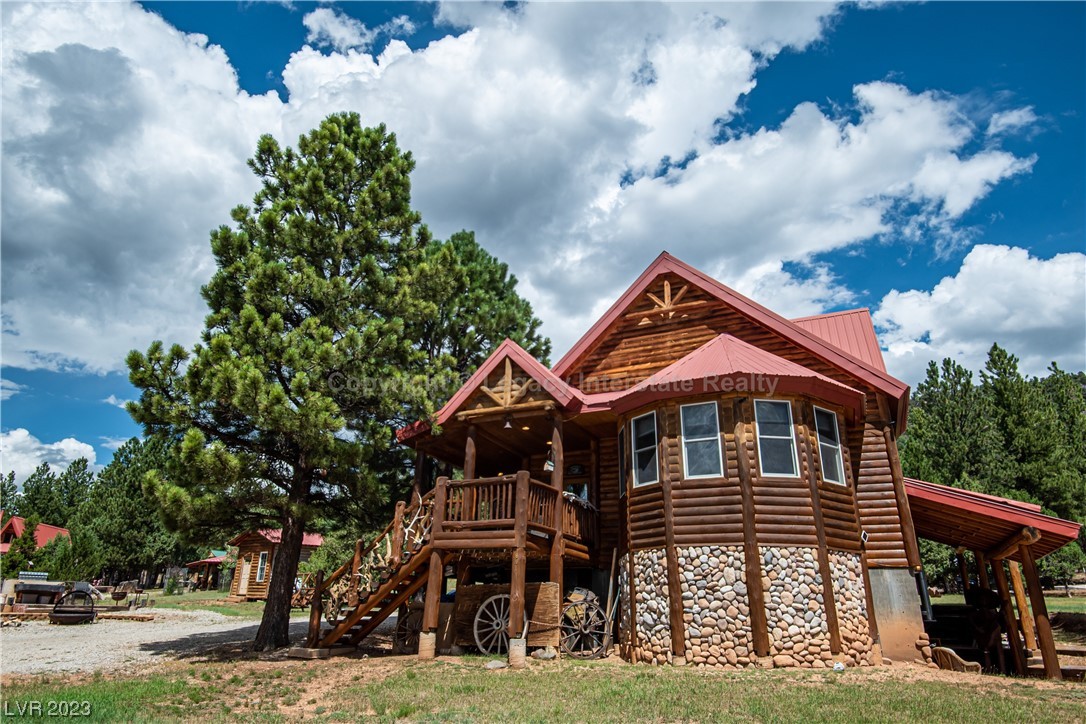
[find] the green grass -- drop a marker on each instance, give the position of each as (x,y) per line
(213,601)
(1069,604)
(606,692)
(461,690)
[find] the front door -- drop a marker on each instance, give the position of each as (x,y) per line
(243,584)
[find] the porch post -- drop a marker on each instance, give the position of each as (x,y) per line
(1040,614)
(982,570)
(1008,618)
(435,578)
(558,481)
(963,570)
(1023,609)
(469,454)
(516,588)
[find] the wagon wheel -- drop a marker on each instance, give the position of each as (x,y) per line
(408,628)
(492,625)
(584,629)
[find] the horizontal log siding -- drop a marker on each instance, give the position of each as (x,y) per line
(610,520)
(875,497)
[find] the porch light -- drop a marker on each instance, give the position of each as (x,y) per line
(526,427)
(508,422)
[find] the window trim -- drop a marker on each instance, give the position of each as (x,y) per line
(634,450)
(819,443)
(791,438)
(716,436)
(262,567)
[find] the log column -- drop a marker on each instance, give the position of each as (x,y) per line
(1008,618)
(671,553)
(1024,618)
(558,481)
(828,597)
(752,556)
(516,587)
(436,576)
(982,570)
(1040,614)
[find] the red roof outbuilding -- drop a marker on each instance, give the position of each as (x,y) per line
(43,534)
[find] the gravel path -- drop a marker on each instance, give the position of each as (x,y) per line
(37,647)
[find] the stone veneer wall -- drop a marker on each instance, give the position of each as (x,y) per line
(716,610)
(715,606)
(624,636)
(851,598)
(795,607)
(652,627)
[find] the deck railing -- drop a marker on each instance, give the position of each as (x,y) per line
(490,512)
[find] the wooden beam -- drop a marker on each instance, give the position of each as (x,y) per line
(417,480)
(1013,638)
(982,570)
(315,612)
(671,553)
(1040,615)
(558,481)
(963,570)
(436,573)
(469,454)
(753,558)
(516,586)
(497,413)
(1025,620)
(908,531)
(1025,537)
(828,597)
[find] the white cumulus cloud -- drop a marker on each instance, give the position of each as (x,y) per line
(22,452)
(548,126)
(1032,307)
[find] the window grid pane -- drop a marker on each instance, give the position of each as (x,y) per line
(701,440)
(643,441)
(829,446)
(776,442)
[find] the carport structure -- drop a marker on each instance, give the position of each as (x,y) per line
(997,530)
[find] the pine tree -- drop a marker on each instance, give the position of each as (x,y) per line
(9,497)
(23,552)
(41,496)
(284,412)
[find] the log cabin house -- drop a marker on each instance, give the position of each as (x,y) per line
(740,468)
(256,551)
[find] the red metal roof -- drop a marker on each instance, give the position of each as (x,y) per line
(212,561)
(563,394)
(725,364)
(851,331)
(981,522)
(879,379)
(43,534)
(274,535)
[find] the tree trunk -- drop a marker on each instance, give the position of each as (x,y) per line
(274,631)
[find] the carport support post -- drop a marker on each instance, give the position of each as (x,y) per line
(1040,614)
(982,570)
(1008,618)
(1020,602)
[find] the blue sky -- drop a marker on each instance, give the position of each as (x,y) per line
(923,160)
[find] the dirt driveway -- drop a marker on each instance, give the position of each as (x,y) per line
(37,647)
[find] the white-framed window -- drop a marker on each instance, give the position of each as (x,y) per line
(646,467)
(829,446)
(262,567)
(701,441)
(776,438)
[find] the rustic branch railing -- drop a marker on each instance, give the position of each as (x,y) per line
(580,519)
(405,535)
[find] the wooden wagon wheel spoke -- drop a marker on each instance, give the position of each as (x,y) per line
(491,627)
(583,630)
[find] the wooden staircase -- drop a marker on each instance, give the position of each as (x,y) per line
(373,584)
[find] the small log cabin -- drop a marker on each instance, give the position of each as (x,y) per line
(732,473)
(256,551)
